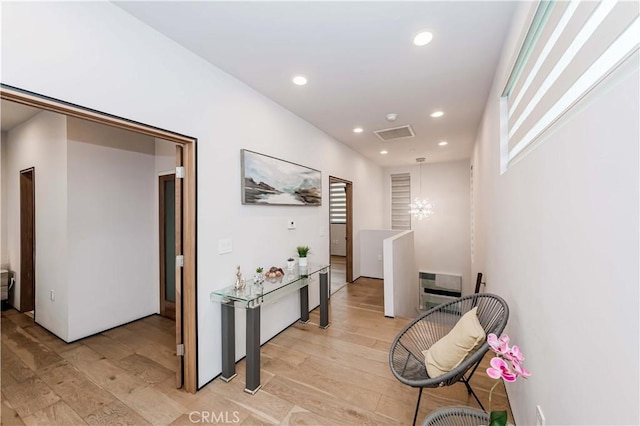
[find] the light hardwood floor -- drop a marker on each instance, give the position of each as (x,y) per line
(310,376)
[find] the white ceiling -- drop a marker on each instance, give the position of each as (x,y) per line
(360,62)
(13,114)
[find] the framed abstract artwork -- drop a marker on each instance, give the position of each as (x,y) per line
(268,180)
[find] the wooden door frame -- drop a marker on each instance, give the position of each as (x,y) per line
(161,216)
(349,229)
(28,292)
(189,291)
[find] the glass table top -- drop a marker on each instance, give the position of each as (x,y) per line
(269,290)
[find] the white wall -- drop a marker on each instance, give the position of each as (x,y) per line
(443,241)
(371,255)
(41,143)
(4,253)
(557,236)
(111,211)
(401,295)
(50,48)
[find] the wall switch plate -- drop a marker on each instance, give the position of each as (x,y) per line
(540,420)
(53,295)
(225,245)
(291,224)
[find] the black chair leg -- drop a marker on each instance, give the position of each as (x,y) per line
(471,392)
(415,416)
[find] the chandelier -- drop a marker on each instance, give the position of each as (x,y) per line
(421,208)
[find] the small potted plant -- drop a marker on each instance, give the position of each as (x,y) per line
(258,278)
(303,251)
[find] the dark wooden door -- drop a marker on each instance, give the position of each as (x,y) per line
(27,240)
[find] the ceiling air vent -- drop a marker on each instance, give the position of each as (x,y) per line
(395,133)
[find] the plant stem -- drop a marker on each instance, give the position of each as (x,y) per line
(491,393)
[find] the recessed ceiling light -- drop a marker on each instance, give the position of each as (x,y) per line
(384,151)
(300,80)
(443,143)
(422,38)
(437,114)
(358,130)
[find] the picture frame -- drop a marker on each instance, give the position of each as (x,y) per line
(267,180)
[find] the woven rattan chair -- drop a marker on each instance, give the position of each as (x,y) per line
(457,416)
(406,358)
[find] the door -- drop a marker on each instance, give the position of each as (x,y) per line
(167,196)
(27,240)
(341,230)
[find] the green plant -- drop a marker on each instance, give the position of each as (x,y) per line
(303,251)
(259,270)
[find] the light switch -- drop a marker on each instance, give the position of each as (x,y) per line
(291,224)
(225,245)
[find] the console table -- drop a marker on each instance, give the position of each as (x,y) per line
(251,298)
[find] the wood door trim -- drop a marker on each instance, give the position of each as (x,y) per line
(189,293)
(349,228)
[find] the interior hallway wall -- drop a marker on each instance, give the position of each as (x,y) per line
(557,237)
(111,211)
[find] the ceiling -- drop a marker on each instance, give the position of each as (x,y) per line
(13,114)
(359,60)
(360,63)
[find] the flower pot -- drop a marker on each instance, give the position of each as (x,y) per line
(302,262)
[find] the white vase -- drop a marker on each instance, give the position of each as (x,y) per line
(302,262)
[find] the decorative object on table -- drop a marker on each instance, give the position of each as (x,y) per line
(291,263)
(421,208)
(258,278)
(270,181)
(240,283)
(274,273)
(303,251)
(506,365)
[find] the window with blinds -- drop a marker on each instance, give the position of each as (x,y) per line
(400,200)
(570,47)
(337,202)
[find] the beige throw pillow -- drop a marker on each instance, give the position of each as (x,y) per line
(450,351)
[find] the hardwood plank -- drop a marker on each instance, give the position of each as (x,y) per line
(107,347)
(8,415)
(164,356)
(336,411)
(154,406)
(300,416)
(116,413)
(112,378)
(49,339)
(263,404)
(30,396)
(82,395)
(145,369)
(81,355)
(13,369)
(27,348)
(57,414)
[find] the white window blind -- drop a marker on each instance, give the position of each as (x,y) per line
(337,202)
(400,200)
(570,47)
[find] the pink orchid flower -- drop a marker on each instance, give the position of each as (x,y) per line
(520,370)
(499,369)
(501,345)
(514,354)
